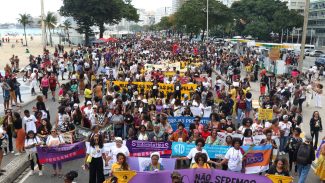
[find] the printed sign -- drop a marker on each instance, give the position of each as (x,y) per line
(62,153)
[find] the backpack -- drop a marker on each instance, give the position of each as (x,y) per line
(303,154)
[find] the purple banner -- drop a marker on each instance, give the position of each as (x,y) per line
(141,148)
(199,176)
(66,152)
(318,151)
(140,163)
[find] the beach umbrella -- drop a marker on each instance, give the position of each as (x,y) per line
(112,39)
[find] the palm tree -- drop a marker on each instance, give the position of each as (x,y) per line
(24,20)
(66,27)
(50,22)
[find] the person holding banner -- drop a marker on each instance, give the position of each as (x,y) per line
(118,148)
(280,167)
(54,139)
(154,165)
(234,157)
(31,142)
(201,161)
(120,164)
(199,148)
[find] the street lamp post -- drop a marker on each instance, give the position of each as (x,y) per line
(304,35)
(43,24)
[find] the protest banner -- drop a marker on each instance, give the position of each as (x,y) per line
(257,138)
(257,159)
(280,178)
(140,163)
(214,151)
(142,148)
(67,137)
(173,121)
(124,176)
(199,176)
(62,153)
(166,88)
(172,73)
(196,111)
(265,114)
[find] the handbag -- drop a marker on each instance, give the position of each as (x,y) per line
(89,158)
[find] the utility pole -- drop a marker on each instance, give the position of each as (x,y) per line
(304,35)
(207,19)
(43,24)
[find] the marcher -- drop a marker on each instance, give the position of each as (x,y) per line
(94,160)
(55,140)
(31,142)
(315,127)
(305,156)
(154,165)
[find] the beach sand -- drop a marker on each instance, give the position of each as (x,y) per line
(34,46)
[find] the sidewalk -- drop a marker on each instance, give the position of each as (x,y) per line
(16,165)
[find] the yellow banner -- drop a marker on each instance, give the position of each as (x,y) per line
(166,88)
(171,74)
(265,114)
(279,178)
(124,176)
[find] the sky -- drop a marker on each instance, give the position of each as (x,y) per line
(12,8)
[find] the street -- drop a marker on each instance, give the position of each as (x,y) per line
(83,175)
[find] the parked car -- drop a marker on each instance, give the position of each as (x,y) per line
(320,62)
(307,52)
(316,53)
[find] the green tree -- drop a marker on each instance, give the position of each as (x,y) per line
(50,22)
(66,26)
(259,18)
(79,10)
(192,15)
(112,12)
(88,13)
(24,20)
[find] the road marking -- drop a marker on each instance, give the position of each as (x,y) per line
(28,174)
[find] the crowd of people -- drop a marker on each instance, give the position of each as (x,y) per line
(91,99)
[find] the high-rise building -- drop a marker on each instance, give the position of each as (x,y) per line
(316,23)
(298,5)
(176,4)
(162,12)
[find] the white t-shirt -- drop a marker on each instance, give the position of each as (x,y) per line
(234,158)
(30,123)
(285,127)
(95,152)
(248,141)
(257,127)
(193,152)
(115,150)
(54,141)
(29,142)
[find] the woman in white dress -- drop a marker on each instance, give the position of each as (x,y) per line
(318,89)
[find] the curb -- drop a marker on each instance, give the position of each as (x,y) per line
(16,167)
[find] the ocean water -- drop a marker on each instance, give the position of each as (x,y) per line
(20,32)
